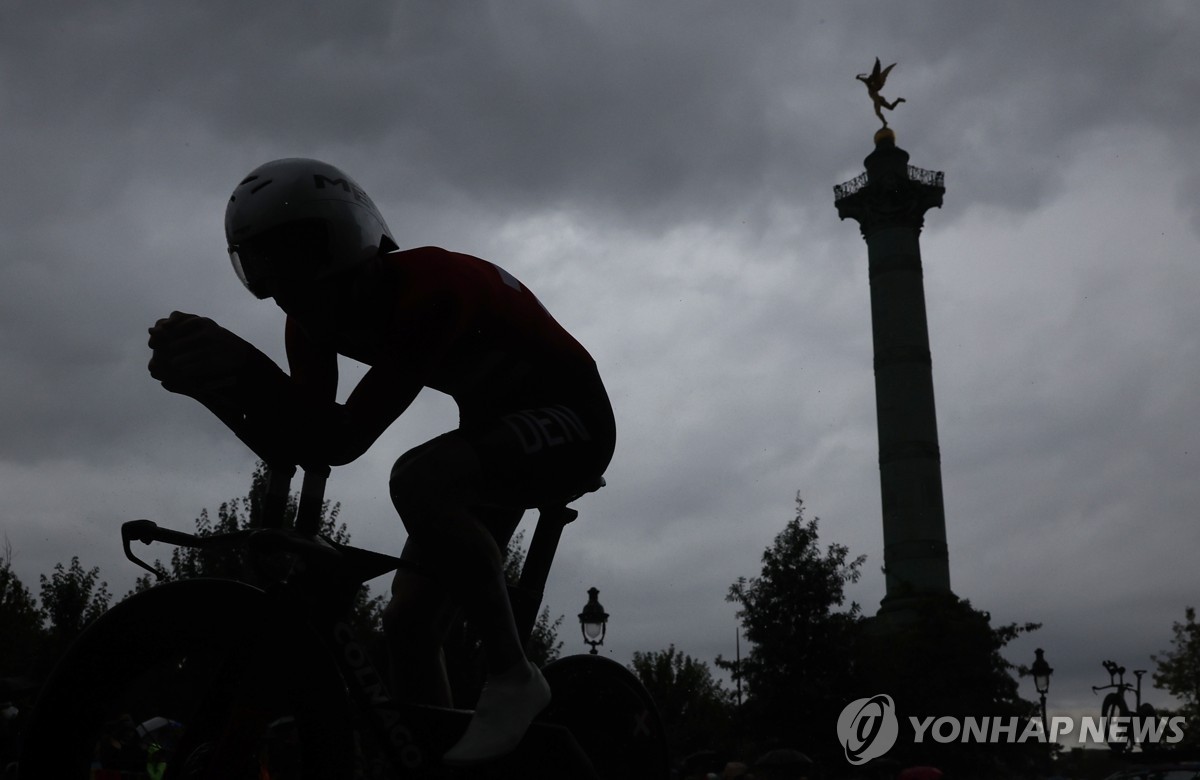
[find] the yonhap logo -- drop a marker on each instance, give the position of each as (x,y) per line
(867,728)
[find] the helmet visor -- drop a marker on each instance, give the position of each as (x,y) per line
(251,270)
(286,256)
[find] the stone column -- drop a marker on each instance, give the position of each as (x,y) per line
(889,203)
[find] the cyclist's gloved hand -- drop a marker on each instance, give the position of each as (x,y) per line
(193,354)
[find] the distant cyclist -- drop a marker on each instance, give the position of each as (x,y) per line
(535,422)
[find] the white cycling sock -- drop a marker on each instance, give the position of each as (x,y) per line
(508,704)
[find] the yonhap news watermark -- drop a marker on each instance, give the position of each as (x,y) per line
(868,728)
(1086,729)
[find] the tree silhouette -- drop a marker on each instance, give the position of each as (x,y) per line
(1178,672)
(20,622)
(801,635)
(72,598)
(811,655)
(696,710)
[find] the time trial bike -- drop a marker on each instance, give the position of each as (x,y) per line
(266,680)
(1115,706)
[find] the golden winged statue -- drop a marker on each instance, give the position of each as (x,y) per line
(875,82)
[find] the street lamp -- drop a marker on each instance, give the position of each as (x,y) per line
(593,620)
(1041,681)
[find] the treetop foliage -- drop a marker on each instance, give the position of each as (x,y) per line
(1178,672)
(696,709)
(800,631)
(34,636)
(20,621)
(1178,669)
(71,599)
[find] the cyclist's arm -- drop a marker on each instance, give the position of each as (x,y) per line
(343,432)
(283,419)
(195,357)
(282,423)
(376,401)
(313,366)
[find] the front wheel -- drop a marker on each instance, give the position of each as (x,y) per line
(192,679)
(611,716)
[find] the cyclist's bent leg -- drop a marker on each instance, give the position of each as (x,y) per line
(421,613)
(520,459)
(416,620)
(434,490)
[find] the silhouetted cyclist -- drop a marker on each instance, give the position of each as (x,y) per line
(535,422)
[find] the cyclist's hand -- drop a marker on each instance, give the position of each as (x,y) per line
(194,354)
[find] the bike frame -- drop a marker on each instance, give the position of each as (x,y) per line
(413,736)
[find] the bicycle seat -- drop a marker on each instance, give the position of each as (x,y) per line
(579,491)
(553,516)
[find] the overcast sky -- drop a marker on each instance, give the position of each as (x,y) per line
(661,175)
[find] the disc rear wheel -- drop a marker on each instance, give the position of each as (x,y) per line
(611,715)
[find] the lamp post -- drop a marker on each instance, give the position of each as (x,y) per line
(1041,681)
(593,620)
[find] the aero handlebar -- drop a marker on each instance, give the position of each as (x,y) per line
(147,531)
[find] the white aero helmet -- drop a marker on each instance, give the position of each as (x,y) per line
(300,219)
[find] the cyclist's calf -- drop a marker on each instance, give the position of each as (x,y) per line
(416,623)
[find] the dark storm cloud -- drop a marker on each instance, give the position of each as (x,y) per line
(677,111)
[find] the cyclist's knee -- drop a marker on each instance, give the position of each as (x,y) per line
(405,485)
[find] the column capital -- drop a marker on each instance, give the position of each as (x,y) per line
(891,193)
